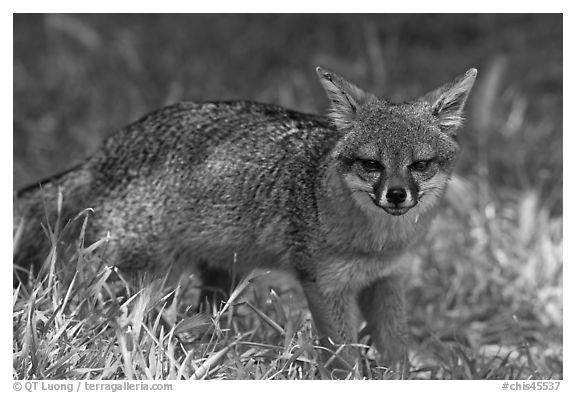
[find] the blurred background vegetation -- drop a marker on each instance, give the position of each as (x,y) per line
(78,78)
(492,268)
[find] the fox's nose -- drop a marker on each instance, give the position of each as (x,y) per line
(396,195)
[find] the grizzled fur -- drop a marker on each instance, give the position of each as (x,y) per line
(337,200)
(187,182)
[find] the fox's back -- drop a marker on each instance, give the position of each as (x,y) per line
(204,180)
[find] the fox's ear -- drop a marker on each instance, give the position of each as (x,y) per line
(345,98)
(448,101)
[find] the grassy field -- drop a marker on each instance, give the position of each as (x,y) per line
(485,294)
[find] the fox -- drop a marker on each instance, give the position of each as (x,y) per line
(217,188)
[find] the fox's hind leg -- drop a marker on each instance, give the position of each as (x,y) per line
(216,286)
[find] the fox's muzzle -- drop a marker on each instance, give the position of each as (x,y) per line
(396,195)
(395,201)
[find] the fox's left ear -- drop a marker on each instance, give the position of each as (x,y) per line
(448,101)
(345,98)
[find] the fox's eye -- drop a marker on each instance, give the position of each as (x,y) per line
(419,166)
(370,165)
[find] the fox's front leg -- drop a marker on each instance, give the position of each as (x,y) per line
(336,324)
(382,305)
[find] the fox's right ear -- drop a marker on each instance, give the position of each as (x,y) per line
(345,98)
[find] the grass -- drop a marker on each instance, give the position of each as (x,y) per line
(485,295)
(499,318)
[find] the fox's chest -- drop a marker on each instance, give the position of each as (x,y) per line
(349,272)
(367,248)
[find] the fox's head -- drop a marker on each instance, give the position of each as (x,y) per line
(396,156)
